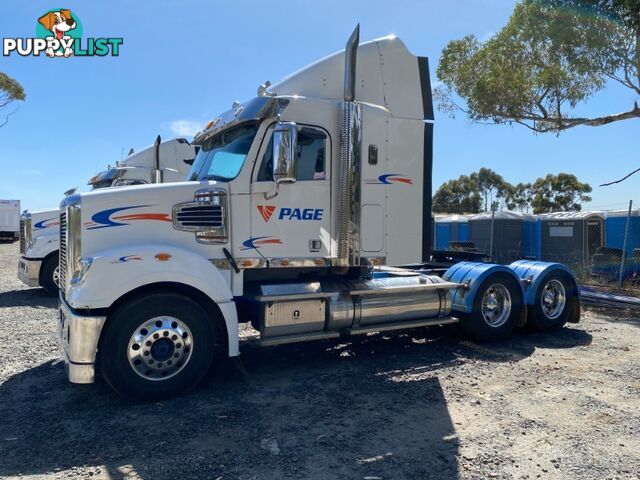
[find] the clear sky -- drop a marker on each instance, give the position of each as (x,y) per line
(183,62)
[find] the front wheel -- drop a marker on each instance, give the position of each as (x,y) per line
(497,307)
(50,274)
(156,346)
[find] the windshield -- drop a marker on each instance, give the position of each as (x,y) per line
(104,179)
(222,156)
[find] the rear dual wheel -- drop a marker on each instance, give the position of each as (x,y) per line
(555,303)
(497,307)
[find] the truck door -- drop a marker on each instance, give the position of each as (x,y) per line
(294,225)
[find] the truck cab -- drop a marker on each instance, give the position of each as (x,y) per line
(167,161)
(306,215)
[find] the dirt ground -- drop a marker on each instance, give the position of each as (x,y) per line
(415,405)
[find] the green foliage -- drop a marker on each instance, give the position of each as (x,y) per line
(626,12)
(551,56)
(559,193)
(457,196)
(471,193)
(519,197)
(486,189)
(10,91)
(490,185)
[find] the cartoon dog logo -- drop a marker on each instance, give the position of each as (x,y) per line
(59,23)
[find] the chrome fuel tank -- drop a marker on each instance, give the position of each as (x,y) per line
(385,299)
(391,297)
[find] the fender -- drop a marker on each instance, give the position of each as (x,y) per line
(115,272)
(532,272)
(42,246)
(472,274)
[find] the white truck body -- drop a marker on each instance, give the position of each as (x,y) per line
(9,220)
(300,200)
(40,237)
(174,160)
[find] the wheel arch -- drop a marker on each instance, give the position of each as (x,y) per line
(223,316)
(471,275)
(47,257)
(532,274)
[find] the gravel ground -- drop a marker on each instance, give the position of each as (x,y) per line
(416,405)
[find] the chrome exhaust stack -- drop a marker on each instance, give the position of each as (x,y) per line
(350,53)
(348,171)
(156,174)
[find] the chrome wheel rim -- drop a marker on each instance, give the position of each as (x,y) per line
(554,299)
(160,348)
(496,305)
(56,276)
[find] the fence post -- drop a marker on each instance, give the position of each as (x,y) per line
(624,244)
(493,217)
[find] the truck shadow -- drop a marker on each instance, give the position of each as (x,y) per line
(371,406)
(31,297)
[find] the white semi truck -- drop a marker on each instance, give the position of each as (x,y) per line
(167,161)
(307,215)
(9,220)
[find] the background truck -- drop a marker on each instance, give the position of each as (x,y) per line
(167,161)
(308,215)
(9,220)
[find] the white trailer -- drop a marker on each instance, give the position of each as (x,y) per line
(9,220)
(308,216)
(167,161)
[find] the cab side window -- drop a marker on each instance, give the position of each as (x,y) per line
(312,147)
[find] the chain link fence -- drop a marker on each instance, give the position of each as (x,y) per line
(600,246)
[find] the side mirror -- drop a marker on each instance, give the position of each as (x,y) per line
(285,145)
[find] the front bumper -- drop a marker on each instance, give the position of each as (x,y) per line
(79,336)
(29,271)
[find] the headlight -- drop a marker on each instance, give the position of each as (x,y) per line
(81,268)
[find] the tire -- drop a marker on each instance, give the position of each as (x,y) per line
(49,274)
(548,317)
(481,327)
(163,364)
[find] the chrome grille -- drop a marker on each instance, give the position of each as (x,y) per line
(63,250)
(25,234)
(22,239)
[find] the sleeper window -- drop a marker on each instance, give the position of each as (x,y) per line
(312,144)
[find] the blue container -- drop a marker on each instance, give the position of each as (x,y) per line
(463,232)
(615,223)
(450,228)
(443,235)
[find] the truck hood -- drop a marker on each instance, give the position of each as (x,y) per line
(137,204)
(135,215)
(45,222)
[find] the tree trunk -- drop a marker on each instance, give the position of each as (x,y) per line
(638,55)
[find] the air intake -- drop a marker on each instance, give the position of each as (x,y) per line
(206,216)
